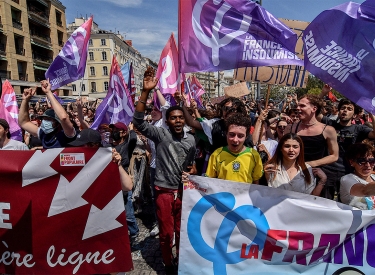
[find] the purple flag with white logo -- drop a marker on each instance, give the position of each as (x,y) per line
(227,34)
(116,106)
(70,64)
(341,52)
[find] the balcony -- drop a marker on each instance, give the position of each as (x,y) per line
(59,23)
(5,74)
(42,58)
(61,43)
(17,24)
(40,36)
(39,14)
(20,51)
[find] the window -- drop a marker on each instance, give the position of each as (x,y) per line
(92,71)
(105,85)
(93,87)
(91,55)
(83,88)
(104,56)
(105,70)
(74,87)
(103,42)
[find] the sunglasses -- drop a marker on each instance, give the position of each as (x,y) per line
(281,127)
(363,161)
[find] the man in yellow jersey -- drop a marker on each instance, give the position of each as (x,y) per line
(236,162)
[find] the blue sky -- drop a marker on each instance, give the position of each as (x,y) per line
(149,23)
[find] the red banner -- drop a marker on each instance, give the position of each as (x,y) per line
(62,212)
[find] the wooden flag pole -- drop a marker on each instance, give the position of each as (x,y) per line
(265,106)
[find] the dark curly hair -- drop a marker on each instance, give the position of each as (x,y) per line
(239,120)
(237,105)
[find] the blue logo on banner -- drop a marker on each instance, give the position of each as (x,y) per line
(224,203)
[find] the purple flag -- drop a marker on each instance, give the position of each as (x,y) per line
(341,52)
(232,34)
(70,64)
(116,106)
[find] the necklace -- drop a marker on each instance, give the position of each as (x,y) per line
(309,124)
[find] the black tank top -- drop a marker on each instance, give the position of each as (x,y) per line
(315,146)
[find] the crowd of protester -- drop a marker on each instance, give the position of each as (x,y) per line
(309,145)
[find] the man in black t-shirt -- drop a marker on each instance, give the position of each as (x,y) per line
(347,134)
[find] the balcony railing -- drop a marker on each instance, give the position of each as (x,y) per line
(20,51)
(59,23)
(40,35)
(17,24)
(61,43)
(41,57)
(5,74)
(38,13)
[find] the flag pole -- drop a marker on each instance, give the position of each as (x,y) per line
(265,106)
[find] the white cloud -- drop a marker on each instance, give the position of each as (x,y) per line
(124,3)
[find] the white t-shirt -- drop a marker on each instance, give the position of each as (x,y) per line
(297,184)
(271,146)
(346,184)
(15,145)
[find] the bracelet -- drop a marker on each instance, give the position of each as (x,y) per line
(142,101)
(320,183)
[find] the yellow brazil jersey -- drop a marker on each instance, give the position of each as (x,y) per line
(243,167)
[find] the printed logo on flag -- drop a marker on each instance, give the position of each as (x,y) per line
(77,159)
(232,34)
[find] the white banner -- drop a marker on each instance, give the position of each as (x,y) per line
(234,228)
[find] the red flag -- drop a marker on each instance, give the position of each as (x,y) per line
(9,110)
(332,97)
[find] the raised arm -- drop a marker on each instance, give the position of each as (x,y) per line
(84,124)
(125,179)
(149,82)
(59,110)
(23,116)
(161,98)
(325,90)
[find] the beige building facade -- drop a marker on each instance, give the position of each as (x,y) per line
(32,33)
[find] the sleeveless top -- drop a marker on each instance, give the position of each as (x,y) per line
(315,146)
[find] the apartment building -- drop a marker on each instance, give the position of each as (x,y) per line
(103,45)
(32,33)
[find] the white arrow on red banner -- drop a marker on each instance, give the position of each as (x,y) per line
(68,195)
(101,221)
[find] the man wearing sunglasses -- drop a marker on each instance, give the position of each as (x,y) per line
(347,135)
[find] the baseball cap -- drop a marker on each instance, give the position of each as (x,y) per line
(51,114)
(119,125)
(5,125)
(87,136)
